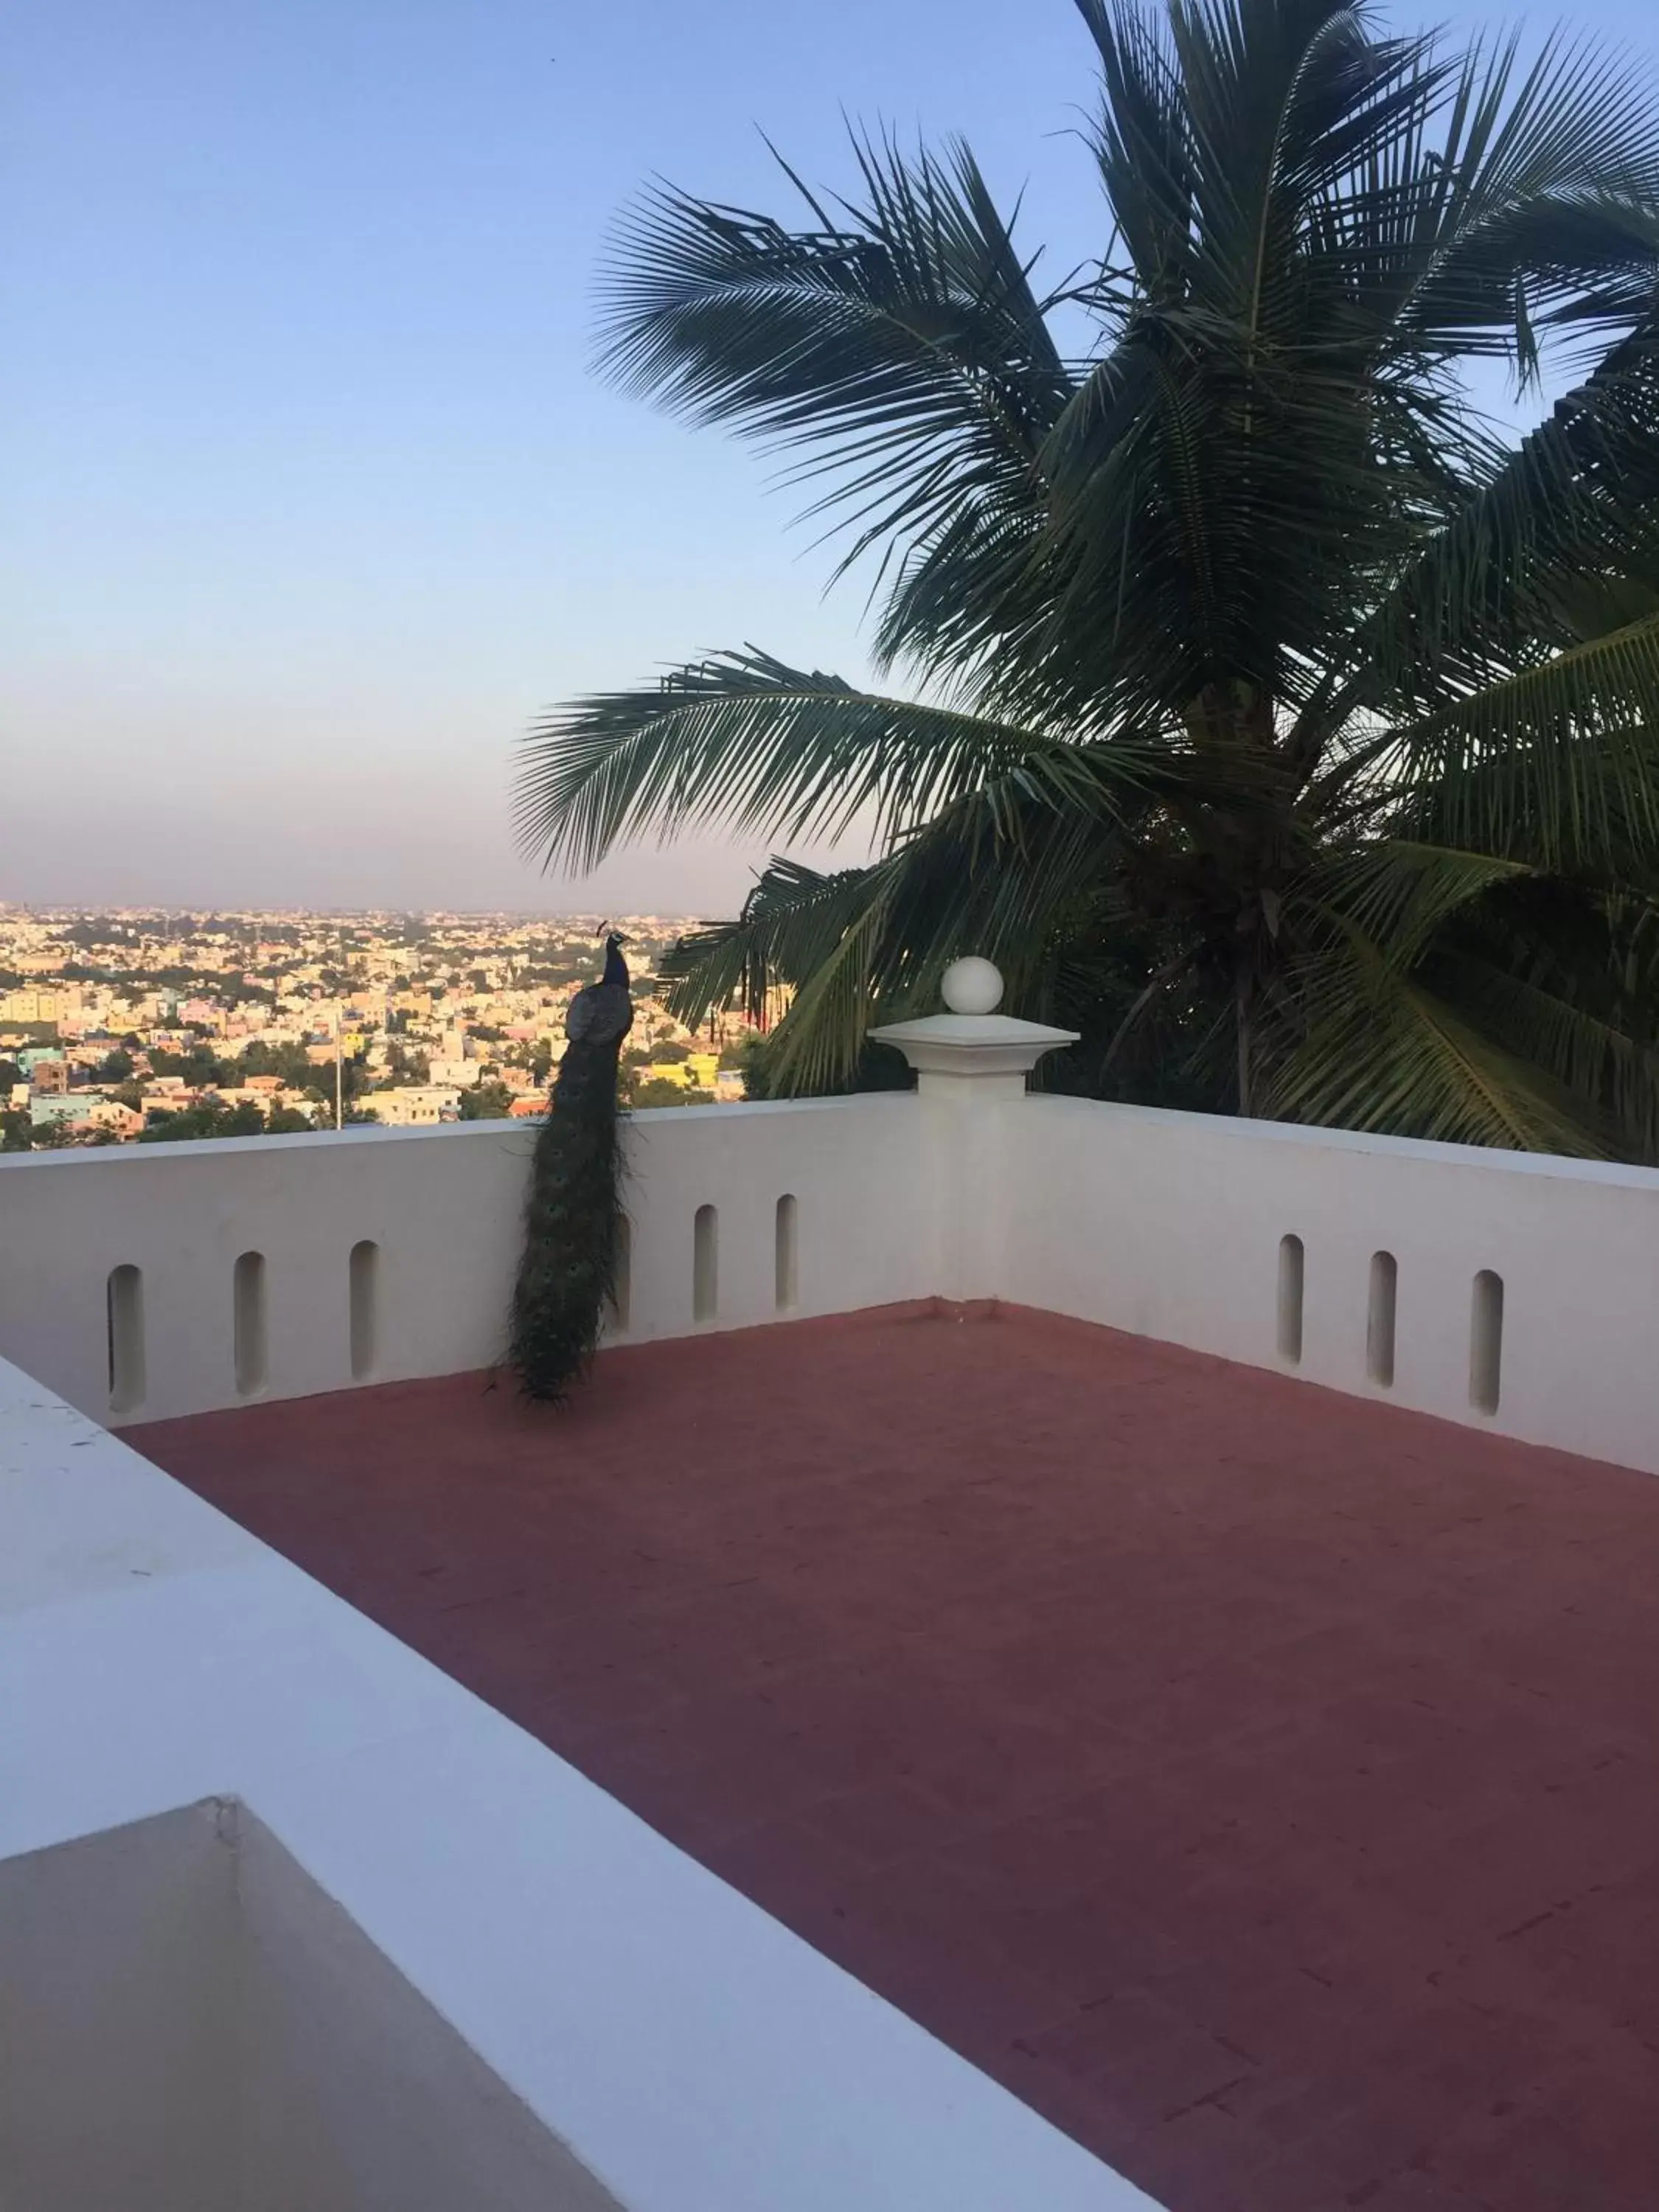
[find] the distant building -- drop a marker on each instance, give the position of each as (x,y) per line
(413,1105)
(696,1072)
(51,1004)
(46,1108)
(121,1121)
(49,1079)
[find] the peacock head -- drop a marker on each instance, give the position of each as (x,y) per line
(615,968)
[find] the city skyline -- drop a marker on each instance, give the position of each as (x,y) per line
(151,1024)
(315,503)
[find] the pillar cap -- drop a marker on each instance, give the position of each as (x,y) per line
(972,1040)
(972,986)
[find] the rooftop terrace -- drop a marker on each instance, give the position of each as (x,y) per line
(1259,1782)
(1134,1606)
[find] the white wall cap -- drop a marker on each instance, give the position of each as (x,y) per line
(973,1044)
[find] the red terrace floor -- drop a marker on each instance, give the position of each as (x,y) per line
(1259,1783)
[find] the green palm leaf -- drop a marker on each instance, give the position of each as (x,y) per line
(757,747)
(1559,760)
(898,345)
(1383,1052)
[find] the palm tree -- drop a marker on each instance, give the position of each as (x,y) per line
(1269,716)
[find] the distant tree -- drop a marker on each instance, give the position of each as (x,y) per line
(877,1068)
(198,1066)
(212,1118)
(486,1102)
(666,1091)
(288,1061)
(405,1066)
(238,990)
(54,1136)
(11,1076)
(16,1134)
(115,1066)
(288,1121)
(96,929)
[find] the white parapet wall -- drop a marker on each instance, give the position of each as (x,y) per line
(146,1281)
(288,1917)
(1523,1292)
(1508,1291)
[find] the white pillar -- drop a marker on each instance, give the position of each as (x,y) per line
(971,1067)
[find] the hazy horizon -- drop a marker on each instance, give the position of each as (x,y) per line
(314,504)
(115,910)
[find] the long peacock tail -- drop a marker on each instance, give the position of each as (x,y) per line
(572,1225)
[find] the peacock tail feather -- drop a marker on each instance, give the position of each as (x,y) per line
(573,1225)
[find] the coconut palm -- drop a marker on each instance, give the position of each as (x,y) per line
(1262,711)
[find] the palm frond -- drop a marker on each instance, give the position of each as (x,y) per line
(989,873)
(1398,893)
(1558,761)
(1594,1056)
(899,349)
(1381,1051)
(747,744)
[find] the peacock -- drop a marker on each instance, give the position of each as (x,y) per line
(574,1216)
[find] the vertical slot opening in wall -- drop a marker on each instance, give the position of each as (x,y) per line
(1487,1342)
(1379,1319)
(248,1312)
(1290,1299)
(622,1279)
(784,1255)
(124,1308)
(365,1308)
(706,1265)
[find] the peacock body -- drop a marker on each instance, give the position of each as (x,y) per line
(573,1216)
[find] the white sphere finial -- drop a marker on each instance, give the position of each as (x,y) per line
(972,986)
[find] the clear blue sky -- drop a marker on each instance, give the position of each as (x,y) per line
(309,499)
